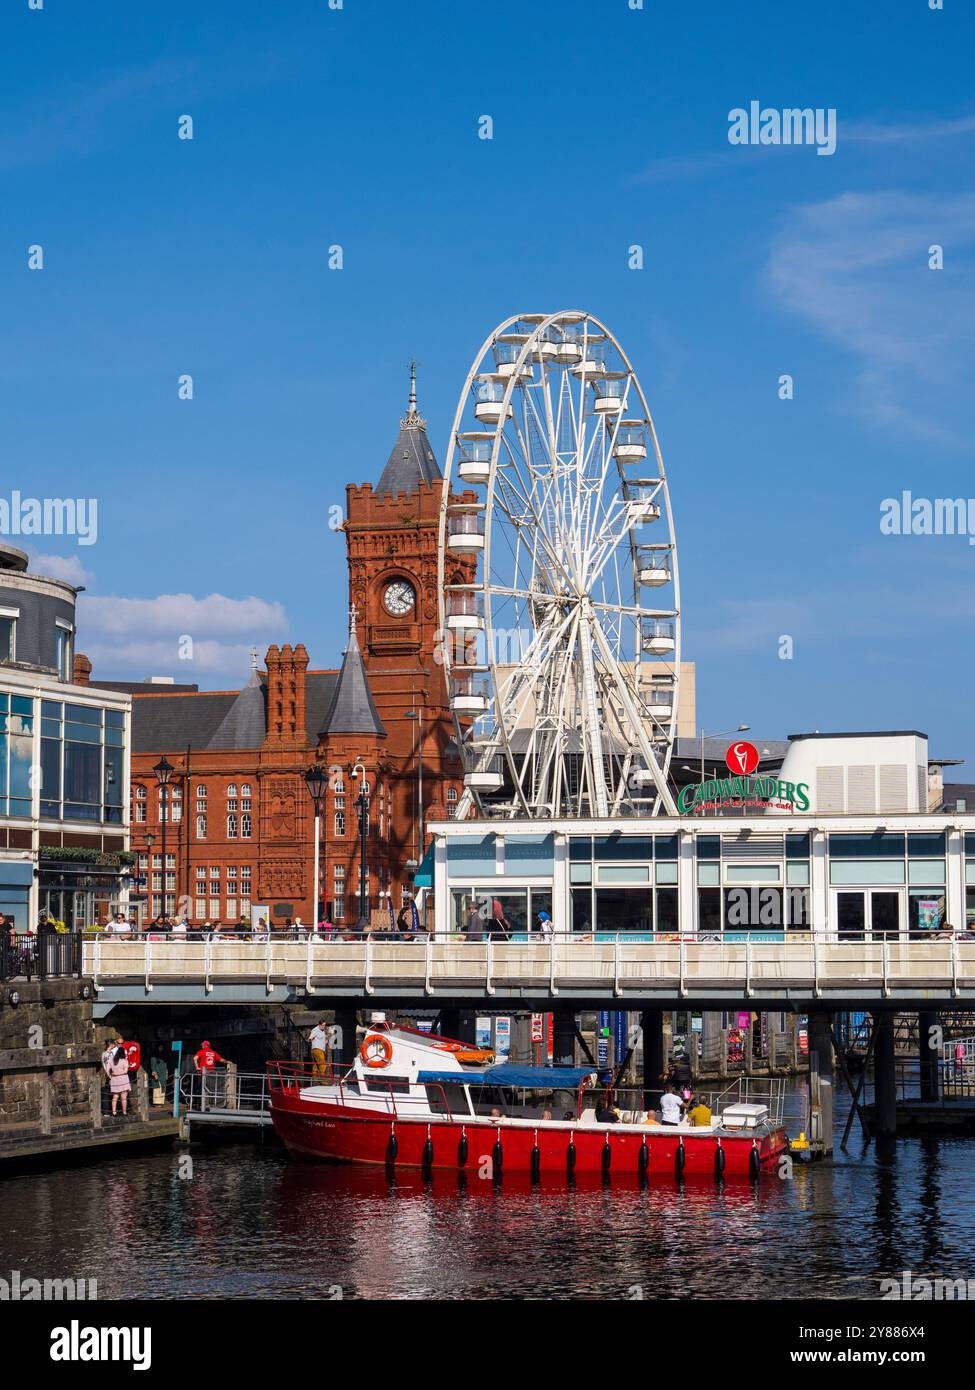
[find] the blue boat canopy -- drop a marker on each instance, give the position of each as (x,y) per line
(511,1074)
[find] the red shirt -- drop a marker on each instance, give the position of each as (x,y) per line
(207,1058)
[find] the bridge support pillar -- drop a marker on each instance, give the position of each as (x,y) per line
(884,1077)
(654,1056)
(821,1045)
(564,1038)
(459,1024)
(929,1052)
(343,1048)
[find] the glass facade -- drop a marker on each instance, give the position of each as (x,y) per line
(82,763)
(757,884)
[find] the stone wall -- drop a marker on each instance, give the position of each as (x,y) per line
(50,1053)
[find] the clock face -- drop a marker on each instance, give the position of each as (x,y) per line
(399,598)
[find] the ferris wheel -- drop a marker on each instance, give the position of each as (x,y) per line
(558,583)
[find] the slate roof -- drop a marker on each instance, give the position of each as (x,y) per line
(352,710)
(162,723)
(245,723)
(412,460)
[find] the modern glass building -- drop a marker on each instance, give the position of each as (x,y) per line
(64,762)
(839,842)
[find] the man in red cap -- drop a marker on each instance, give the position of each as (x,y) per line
(205,1062)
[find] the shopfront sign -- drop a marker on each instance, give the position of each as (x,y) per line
(743,790)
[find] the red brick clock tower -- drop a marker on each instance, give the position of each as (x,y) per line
(391,533)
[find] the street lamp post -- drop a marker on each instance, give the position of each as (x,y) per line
(164,771)
(316,781)
(150,840)
(720,733)
(362,803)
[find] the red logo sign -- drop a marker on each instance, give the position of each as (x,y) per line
(742,758)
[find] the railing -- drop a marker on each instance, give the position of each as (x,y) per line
(226,1091)
(46,955)
(391,1096)
(610,965)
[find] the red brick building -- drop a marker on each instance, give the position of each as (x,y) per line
(240,823)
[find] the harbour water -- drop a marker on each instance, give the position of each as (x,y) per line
(249,1223)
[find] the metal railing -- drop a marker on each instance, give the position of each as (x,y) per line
(225,1092)
(612,965)
(44,955)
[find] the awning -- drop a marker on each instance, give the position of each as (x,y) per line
(423,878)
(511,1074)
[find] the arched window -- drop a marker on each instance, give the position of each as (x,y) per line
(231,827)
(245,826)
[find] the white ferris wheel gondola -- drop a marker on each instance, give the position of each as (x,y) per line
(555,522)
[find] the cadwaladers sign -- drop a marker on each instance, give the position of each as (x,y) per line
(742,790)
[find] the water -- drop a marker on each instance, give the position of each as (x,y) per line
(250,1223)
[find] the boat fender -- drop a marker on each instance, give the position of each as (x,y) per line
(644,1155)
(462,1148)
(719,1161)
(428,1151)
(497,1154)
(536,1158)
(607,1155)
(754,1162)
(680,1158)
(570,1154)
(392,1148)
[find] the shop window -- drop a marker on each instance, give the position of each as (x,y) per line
(708,911)
(582,910)
(624,910)
(667,913)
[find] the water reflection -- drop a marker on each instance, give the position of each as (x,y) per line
(248,1223)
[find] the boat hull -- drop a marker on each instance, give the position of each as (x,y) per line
(310,1129)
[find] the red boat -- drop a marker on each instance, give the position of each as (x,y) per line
(421,1101)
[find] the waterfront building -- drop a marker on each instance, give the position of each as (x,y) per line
(239,821)
(839,843)
(64,761)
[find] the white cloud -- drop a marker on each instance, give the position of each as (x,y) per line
(875,132)
(131,638)
(856,269)
(67,567)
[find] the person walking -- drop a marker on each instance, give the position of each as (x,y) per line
(118,1080)
(318,1041)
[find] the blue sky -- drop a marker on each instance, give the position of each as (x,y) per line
(359,127)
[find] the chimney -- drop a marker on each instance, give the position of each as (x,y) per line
(81,675)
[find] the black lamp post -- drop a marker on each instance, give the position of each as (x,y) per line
(316,780)
(164,771)
(362,802)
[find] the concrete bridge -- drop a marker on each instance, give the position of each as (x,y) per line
(565,972)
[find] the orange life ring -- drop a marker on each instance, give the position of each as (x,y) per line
(368,1054)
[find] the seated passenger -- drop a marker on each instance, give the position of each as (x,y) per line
(699,1114)
(606,1114)
(546,1114)
(651,1118)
